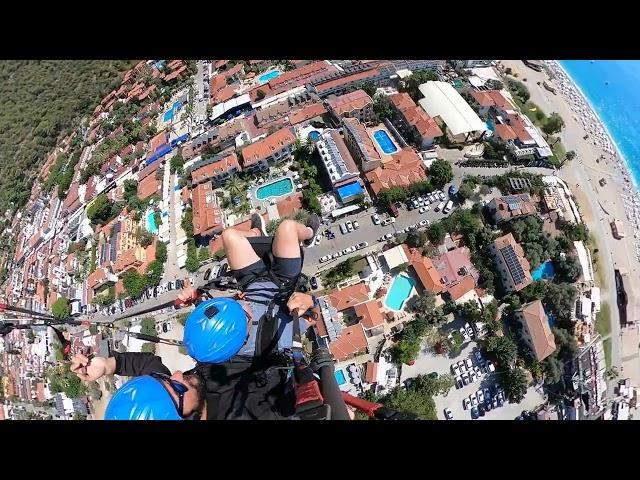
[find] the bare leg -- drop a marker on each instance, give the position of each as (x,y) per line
(239,251)
(286,243)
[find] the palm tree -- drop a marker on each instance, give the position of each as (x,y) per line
(311,145)
(236,186)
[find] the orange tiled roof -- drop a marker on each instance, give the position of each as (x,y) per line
(351,341)
(349,296)
(207,216)
(224,165)
(426,271)
(261,149)
(462,287)
(369,314)
(290,205)
(347,103)
(304,114)
(405,168)
(148,186)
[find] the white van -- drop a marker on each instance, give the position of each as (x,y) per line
(448,207)
(439,207)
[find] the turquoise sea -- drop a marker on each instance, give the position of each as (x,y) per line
(612,87)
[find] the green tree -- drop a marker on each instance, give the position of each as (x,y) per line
(514,382)
(176,164)
(192,264)
(503,349)
(369,87)
(148,347)
(412,83)
(148,326)
(416,238)
(412,401)
(440,173)
(187,222)
(144,237)
(161,252)
(383,108)
(405,351)
(203,254)
(466,190)
(60,308)
(389,196)
(434,384)
(554,124)
(425,303)
(101,210)
(154,273)
(436,233)
(570,155)
(260,94)
(134,283)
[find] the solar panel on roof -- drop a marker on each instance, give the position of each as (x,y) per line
(513,264)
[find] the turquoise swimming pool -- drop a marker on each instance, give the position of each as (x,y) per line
(281,187)
(385,142)
(151,223)
(545,270)
(265,77)
(401,289)
(339,374)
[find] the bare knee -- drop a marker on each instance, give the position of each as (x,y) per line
(229,236)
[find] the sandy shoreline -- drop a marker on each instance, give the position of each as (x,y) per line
(599,204)
(600,138)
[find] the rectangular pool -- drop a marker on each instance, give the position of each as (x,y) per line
(339,374)
(281,187)
(401,289)
(151,223)
(265,77)
(168,115)
(385,142)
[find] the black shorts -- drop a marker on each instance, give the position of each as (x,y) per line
(285,269)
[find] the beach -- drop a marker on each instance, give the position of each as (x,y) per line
(597,158)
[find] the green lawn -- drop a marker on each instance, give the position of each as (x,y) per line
(603,320)
(607,352)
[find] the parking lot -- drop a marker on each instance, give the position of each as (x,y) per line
(441,364)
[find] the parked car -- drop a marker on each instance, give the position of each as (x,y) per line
(356,225)
(385,237)
(455,369)
(423,223)
(468,363)
(422,210)
(207,274)
(462,366)
(466,379)
(481,409)
(491,367)
(164,328)
(466,403)
(349,226)
(478,356)
(324,258)
(362,245)
(459,382)
(387,221)
(376,219)
(474,400)
(474,413)
(448,414)
(314,282)
(480,396)
(343,228)
(221,273)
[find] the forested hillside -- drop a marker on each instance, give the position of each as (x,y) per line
(39,102)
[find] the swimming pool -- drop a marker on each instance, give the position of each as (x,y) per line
(168,115)
(339,374)
(151,223)
(284,186)
(545,270)
(490,125)
(385,142)
(401,289)
(265,77)
(314,135)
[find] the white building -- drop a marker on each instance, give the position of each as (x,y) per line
(443,101)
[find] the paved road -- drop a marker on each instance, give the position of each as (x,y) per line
(201,106)
(172,271)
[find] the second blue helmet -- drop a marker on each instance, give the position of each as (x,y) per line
(215,330)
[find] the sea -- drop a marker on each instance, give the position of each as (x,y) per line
(612,87)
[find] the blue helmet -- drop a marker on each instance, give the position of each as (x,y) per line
(215,330)
(143,398)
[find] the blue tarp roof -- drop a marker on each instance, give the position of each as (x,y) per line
(180,139)
(160,152)
(349,190)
